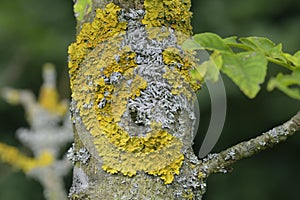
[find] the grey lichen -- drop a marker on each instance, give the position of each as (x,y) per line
(46,134)
(156,103)
(189,179)
(82,155)
(215,163)
(80,181)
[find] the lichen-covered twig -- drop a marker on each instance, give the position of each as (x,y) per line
(216,163)
(50,130)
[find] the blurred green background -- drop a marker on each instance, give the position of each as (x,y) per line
(33,32)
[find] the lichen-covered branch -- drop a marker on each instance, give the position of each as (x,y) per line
(216,163)
(50,130)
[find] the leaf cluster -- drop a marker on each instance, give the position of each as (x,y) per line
(245,61)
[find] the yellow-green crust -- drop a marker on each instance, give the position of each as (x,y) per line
(172,57)
(169,13)
(104,26)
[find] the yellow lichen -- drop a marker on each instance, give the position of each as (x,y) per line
(11,155)
(169,13)
(189,194)
(109,169)
(48,96)
(138,83)
(158,33)
(12,96)
(183,63)
(127,91)
(201,175)
(48,99)
(167,173)
(104,26)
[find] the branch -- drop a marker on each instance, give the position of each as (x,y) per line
(216,163)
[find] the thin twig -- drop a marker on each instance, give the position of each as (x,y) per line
(215,163)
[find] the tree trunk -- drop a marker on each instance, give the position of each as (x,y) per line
(133,102)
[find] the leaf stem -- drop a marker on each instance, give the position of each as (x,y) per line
(270,59)
(278,62)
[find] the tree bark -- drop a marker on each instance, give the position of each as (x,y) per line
(133,104)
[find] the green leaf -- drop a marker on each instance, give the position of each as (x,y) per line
(247,70)
(190,44)
(82,7)
(210,69)
(211,41)
(297,54)
(261,44)
(231,40)
(265,46)
(295,59)
(276,53)
(213,66)
(198,74)
(286,83)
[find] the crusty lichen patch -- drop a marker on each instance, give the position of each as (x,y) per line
(182,64)
(104,26)
(169,13)
(109,69)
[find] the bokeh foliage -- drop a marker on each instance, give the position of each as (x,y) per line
(33,32)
